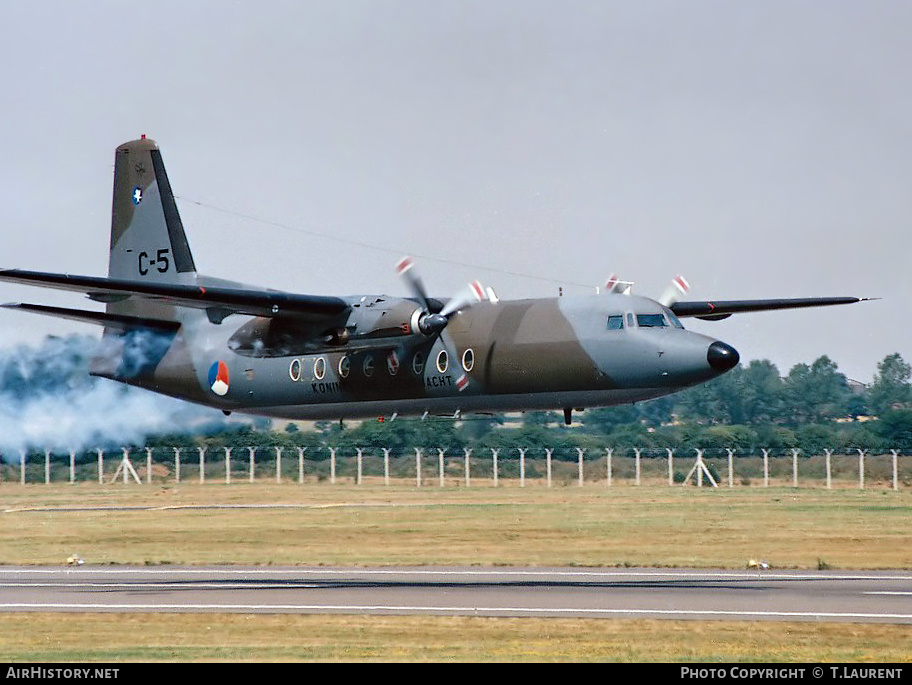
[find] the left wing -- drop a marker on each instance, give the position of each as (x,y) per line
(218,301)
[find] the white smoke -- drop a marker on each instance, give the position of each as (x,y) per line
(48,400)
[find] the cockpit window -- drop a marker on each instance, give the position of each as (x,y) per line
(674,320)
(651,321)
(615,323)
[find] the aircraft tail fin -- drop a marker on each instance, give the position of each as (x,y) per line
(148,242)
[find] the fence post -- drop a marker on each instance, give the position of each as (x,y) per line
(468,453)
(22,467)
(494,453)
(251,451)
(580,451)
(766,475)
(332,465)
(278,453)
(386,466)
(440,454)
(861,455)
(699,467)
(72,466)
(795,452)
(895,470)
(202,455)
(418,467)
(829,479)
(360,451)
(636,453)
(609,451)
(100,453)
(671,479)
(177,464)
(731,467)
(47,468)
(148,466)
(227,466)
(705,468)
(301,451)
(548,452)
(522,466)
(127,467)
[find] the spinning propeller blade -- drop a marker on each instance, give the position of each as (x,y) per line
(675,290)
(404,268)
(434,324)
(465,298)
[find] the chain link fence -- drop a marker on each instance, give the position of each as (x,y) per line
(480,467)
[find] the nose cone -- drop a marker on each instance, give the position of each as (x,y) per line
(722,357)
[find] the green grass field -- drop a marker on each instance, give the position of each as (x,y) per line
(375,525)
(260,637)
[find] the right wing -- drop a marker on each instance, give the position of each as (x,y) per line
(713,310)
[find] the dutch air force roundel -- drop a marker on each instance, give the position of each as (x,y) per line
(218,378)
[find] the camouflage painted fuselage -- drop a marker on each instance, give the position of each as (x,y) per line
(550,353)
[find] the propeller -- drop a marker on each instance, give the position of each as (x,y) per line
(613,285)
(434,324)
(472,293)
(678,287)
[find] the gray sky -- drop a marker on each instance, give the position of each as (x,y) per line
(762,149)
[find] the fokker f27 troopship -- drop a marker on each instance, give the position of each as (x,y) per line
(249,349)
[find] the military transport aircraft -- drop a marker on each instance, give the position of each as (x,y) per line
(248,349)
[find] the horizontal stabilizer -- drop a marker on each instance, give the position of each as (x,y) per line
(100,318)
(720,309)
(219,301)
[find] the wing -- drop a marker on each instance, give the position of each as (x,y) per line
(218,301)
(713,310)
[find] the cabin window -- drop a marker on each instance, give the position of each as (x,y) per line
(367,366)
(418,363)
(443,361)
(615,323)
(344,366)
(468,360)
(392,363)
(651,321)
(319,368)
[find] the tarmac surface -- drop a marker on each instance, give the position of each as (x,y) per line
(770,595)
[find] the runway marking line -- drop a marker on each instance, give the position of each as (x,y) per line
(460,610)
(698,575)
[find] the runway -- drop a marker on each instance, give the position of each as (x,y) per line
(866,597)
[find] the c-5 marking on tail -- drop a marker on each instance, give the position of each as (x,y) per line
(160,262)
(243,348)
